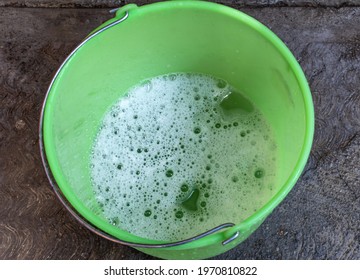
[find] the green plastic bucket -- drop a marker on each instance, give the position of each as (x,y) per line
(156,39)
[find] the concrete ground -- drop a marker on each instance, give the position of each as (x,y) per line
(319,219)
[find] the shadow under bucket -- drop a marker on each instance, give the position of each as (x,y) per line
(159,39)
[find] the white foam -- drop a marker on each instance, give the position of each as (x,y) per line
(169,123)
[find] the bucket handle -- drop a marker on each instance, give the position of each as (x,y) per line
(73,212)
(107,236)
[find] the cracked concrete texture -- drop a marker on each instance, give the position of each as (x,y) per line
(118,3)
(319,219)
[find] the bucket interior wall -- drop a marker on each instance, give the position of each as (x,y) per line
(153,43)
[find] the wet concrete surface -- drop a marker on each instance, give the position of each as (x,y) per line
(117,3)
(320,217)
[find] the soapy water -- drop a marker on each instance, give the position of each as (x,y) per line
(181,154)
